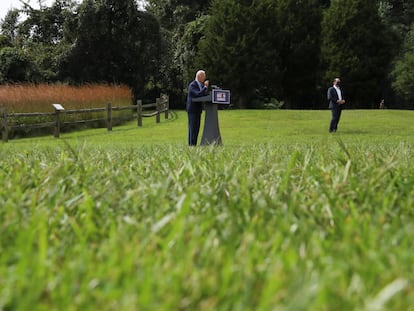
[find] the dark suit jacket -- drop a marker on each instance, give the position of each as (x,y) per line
(333,97)
(195,91)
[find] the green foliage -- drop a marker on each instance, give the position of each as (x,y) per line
(300,51)
(260,49)
(263,49)
(240,49)
(48,24)
(103,221)
(15,65)
(398,15)
(186,49)
(9,26)
(182,25)
(96,41)
(403,72)
(4,42)
(115,43)
(43,36)
(175,14)
(356,47)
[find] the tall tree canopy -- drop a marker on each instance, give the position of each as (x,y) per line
(182,25)
(356,47)
(15,65)
(115,43)
(174,14)
(240,51)
(263,49)
(398,14)
(300,52)
(403,72)
(9,27)
(41,37)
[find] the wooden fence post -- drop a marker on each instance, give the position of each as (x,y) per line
(109,116)
(166,106)
(57,121)
(158,107)
(3,125)
(139,112)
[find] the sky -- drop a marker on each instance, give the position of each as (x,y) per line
(6,5)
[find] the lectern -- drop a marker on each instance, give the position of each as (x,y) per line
(211,132)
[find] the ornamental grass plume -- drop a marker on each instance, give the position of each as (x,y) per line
(40,97)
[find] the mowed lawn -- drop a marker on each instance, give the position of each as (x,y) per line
(283,216)
(241,127)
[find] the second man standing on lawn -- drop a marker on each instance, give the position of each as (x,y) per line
(336,100)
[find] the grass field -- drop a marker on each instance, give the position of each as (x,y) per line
(283,216)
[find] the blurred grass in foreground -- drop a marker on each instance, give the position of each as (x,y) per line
(282,217)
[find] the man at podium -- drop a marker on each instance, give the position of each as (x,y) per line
(197,88)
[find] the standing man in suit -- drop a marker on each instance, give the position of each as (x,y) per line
(197,88)
(336,100)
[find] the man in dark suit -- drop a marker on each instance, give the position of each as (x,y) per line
(197,88)
(336,101)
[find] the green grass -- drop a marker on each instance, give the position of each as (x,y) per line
(283,216)
(247,127)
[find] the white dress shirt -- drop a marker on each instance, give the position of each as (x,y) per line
(338,90)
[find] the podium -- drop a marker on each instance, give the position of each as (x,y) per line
(211,132)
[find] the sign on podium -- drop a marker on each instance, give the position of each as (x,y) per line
(221,97)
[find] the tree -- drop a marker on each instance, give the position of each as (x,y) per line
(115,43)
(4,41)
(9,26)
(356,47)
(264,49)
(240,50)
(300,52)
(398,15)
(175,14)
(15,65)
(177,61)
(403,73)
(182,24)
(186,46)
(42,36)
(47,25)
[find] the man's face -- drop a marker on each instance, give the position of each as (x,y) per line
(202,77)
(337,82)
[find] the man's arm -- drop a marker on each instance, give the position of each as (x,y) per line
(196,92)
(331,96)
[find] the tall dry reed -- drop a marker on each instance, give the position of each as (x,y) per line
(39,98)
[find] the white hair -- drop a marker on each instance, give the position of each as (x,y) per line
(200,72)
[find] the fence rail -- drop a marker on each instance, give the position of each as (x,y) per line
(161,105)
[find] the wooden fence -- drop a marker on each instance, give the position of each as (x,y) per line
(161,105)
